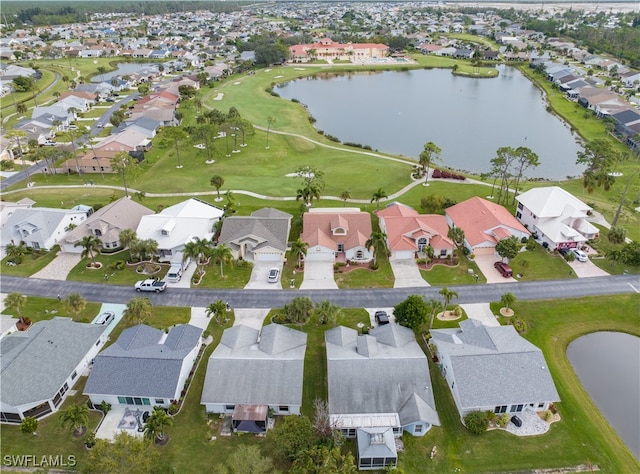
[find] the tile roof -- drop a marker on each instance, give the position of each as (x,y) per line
(404,226)
(320,224)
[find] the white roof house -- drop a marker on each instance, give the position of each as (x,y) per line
(178,224)
(493,369)
(555,217)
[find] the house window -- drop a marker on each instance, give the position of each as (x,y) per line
(520,206)
(159,401)
(443,253)
(359,254)
(519,215)
(98,233)
(339,231)
(122,400)
(418,429)
(422,243)
(74,375)
(229,407)
(378,462)
(540,405)
(500,409)
(137,400)
(283,408)
(516,408)
(35,245)
(340,247)
(145,401)
(129,401)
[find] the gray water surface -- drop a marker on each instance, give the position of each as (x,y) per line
(399,111)
(608,366)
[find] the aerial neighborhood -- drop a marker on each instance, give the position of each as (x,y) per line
(198,273)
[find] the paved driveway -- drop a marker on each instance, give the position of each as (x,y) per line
(185,279)
(481,312)
(259,275)
(59,267)
(586,269)
(485,264)
(407,274)
(372,312)
(252,317)
(318,276)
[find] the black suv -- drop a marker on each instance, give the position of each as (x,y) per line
(382,318)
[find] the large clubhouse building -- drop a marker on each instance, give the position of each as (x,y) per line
(327,49)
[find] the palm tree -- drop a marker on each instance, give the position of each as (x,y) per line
(21,108)
(270,122)
(15,252)
(157,424)
(345,195)
(379,194)
(176,134)
(430,153)
(16,300)
(217,308)
(298,311)
(447,295)
(125,164)
(198,250)
(456,234)
(327,312)
(75,303)
(436,307)
(91,245)
(18,136)
(299,250)
(222,254)
(508,299)
(138,310)
(75,417)
(217,182)
(127,236)
(377,240)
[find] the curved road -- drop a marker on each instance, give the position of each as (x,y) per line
(360,298)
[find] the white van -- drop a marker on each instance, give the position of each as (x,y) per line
(175,273)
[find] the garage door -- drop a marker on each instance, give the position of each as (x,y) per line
(315,256)
(403,255)
(267,257)
(484,250)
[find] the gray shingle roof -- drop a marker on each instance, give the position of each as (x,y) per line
(265,227)
(142,363)
(270,372)
(382,381)
(34,364)
(376,443)
(506,370)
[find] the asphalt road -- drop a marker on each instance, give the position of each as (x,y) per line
(361,298)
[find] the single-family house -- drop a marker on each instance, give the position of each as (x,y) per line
(493,369)
(379,387)
(128,140)
(555,217)
(260,237)
(252,372)
(484,223)
(7,208)
(39,227)
(409,233)
(337,234)
(106,224)
(39,366)
(176,225)
(145,366)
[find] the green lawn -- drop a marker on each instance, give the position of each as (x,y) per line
(31,263)
(366,278)
(442,275)
(539,264)
(38,309)
(125,276)
(235,275)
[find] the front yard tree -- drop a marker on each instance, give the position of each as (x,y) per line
(616,235)
(429,154)
(508,248)
(138,310)
(157,425)
(16,300)
(599,157)
(412,312)
(217,182)
(298,311)
(75,417)
(435,307)
(447,296)
(508,299)
(299,250)
(126,236)
(90,246)
(222,254)
(327,313)
(29,425)
(197,249)
(218,308)
(456,234)
(75,303)
(291,437)
(124,454)
(377,241)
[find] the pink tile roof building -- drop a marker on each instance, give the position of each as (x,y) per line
(408,232)
(484,224)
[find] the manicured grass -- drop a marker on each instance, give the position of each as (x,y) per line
(289,273)
(235,275)
(367,278)
(31,263)
(581,437)
(39,309)
(442,275)
(540,265)
(126,276)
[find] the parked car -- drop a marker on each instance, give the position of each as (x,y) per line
(150,285)
(274,274)
(564,251)
(504,269)
(110,99)
(105,318)
(516,421)
(99,125)
(382,318)
(72,127)
(580,255)
(49,143)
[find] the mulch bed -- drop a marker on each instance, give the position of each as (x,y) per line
(433,263)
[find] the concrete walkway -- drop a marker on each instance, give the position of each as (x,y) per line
(318,276)
(251,317)
(59,267)
(407,274)
(480,312)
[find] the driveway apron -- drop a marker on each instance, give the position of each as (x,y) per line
(407,274)
(318,276)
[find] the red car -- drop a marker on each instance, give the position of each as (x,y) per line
(504,269)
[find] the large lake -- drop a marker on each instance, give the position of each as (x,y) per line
(608,366)
(399,111)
